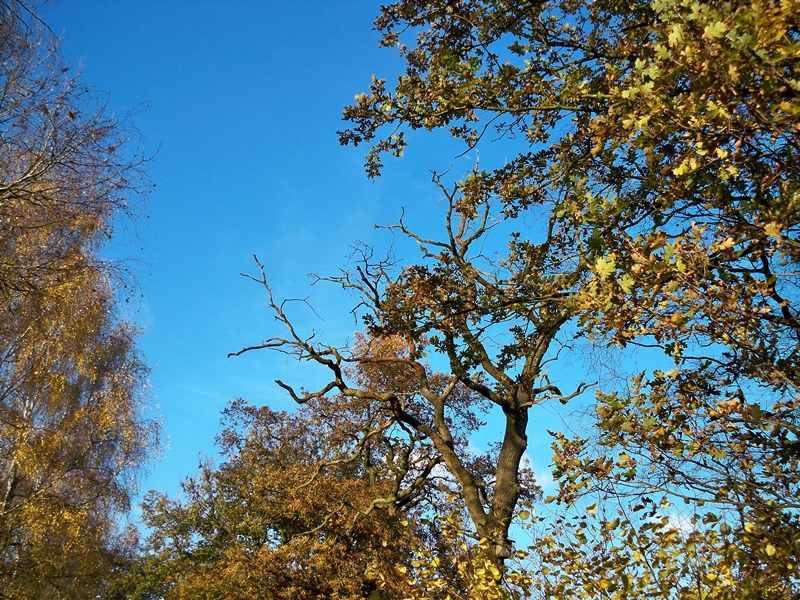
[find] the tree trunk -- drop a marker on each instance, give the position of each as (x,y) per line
(507,488)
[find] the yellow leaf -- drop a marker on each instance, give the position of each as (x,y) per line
(676,35)
(715,31)
(604,267)
(773,230)
(681,169)
(626,282)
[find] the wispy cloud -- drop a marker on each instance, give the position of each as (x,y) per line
(681,523)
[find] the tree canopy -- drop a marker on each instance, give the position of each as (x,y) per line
(73,434)
(659,142)
(296,509)
(652,201)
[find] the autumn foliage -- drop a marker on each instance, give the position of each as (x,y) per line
(72,384)
(659,143)
(285,515)
(644,213)
(652,204)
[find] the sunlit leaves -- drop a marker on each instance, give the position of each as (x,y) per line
(660,140)
(72,384)
(287,514)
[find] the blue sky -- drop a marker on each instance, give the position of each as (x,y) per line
(238,102)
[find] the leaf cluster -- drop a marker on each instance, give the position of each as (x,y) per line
(73,389)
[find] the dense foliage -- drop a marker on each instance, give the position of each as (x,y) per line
(659,143)
(277,519)
(72,384)
(301,506)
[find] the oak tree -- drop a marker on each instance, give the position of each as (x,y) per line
(664,137)
(653,202)
(658,147)
(449,308)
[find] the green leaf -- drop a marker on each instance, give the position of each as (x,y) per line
(626,283)
(605,267)
(715,30)
(676,35)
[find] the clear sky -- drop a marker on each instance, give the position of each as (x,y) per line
(238,103)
